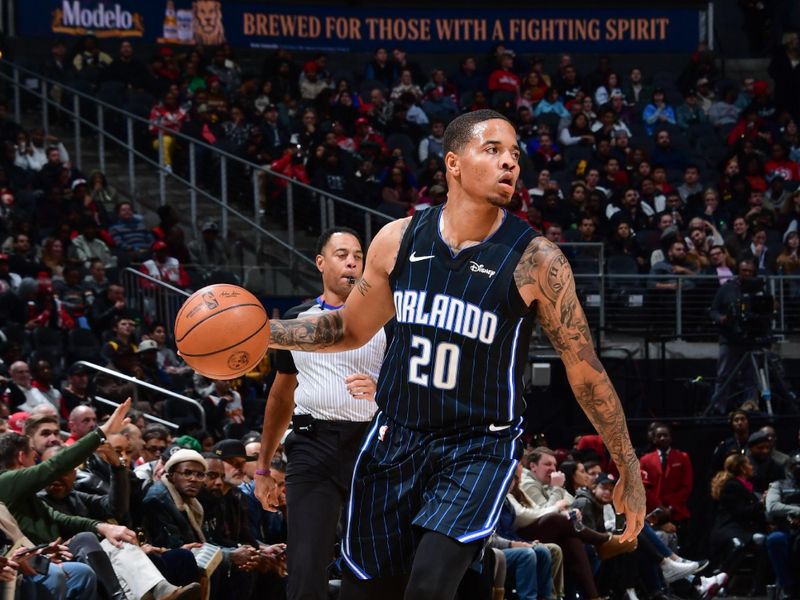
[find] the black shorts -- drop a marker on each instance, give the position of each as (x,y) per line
(407,482)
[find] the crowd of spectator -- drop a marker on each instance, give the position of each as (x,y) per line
(674,175)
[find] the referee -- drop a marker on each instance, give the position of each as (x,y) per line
(332,398)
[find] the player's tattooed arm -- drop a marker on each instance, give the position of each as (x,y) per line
(316,333)
(563,320)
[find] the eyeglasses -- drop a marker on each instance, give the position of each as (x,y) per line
(192,474)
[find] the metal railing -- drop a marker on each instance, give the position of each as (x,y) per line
(207,172)
(153,299)
(139,383)
(147,416)
(674,306)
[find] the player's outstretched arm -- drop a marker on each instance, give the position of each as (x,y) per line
(368,308)
(544,272)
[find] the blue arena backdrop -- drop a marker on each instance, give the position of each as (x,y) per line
(339,28)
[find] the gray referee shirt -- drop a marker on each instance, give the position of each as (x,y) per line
(321,389)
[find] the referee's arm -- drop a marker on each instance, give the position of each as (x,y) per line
(277,415)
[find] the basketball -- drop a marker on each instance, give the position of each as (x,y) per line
(222,331)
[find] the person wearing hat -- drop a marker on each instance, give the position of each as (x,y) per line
(765,468)
(175,517)
(164,267)
(147,353)
(208,253)
(87,246)
(690,114)
(76,392)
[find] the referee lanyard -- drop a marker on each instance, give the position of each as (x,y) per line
(325,306)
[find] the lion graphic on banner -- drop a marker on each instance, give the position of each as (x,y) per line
(208,29)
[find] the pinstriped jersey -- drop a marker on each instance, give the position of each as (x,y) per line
(462,329)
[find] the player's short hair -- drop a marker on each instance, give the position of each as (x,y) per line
(326,235)
(459,131)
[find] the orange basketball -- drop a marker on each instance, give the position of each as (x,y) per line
(222,331)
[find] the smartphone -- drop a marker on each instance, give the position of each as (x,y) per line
(32,550)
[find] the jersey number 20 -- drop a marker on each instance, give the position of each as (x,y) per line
(445,363)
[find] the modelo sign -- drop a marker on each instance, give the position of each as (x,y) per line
(102,20)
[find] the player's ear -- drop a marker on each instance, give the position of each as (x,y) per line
(452,164)
(319,260)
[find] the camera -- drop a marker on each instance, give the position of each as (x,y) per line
(751,315)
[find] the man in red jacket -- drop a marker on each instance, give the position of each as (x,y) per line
(670,473)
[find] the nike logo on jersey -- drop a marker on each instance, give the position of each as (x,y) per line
(415,258)
(476,268)
(494,427)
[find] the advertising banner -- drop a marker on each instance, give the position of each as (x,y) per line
(347,29)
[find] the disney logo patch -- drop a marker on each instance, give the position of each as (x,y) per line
(476,268)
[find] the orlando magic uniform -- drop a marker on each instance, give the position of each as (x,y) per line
(443,447)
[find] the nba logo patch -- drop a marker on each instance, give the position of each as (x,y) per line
(382,432)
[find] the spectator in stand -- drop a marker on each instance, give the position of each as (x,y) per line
(126,68)
(209,250)
(401,62)
(750,128)
(551,104)
(164,267)
(88,247)
(608,125)
(123,328)
(766,469)
(90,63)
(724,112)
(82,420)
(545,154)
(380,69)
(155,439)
(24,396)
(107,308)
(467,80)
(311,83)
(783,512)
(629,205)
(102,193)
(167,117)
(398,194)
(76,391)
(637,92)
(764,257)
(670,477)
(664,155)
(44,432)
(739,522)
(689,113)
(130,234)
(784,68)
(236,130)
(676,263)
(432,146)
(504,84)
(721,266)
(578,132)
(276,135)
(609,87)
(779,164)
(439,106)
(788,261)
(43,380)
(658,112)
(23,258)
(404,85)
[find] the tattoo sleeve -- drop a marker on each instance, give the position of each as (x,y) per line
(315,333)
(564,322)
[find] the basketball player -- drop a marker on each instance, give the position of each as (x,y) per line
(465,281)
(332,397)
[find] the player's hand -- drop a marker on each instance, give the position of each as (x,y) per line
(361,386)
(267,492)
(629,499)
(117,419)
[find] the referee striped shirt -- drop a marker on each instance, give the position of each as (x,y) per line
(321,390)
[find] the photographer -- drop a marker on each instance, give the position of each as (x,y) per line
(732,343)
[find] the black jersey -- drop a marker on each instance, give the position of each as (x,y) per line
(462,329)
